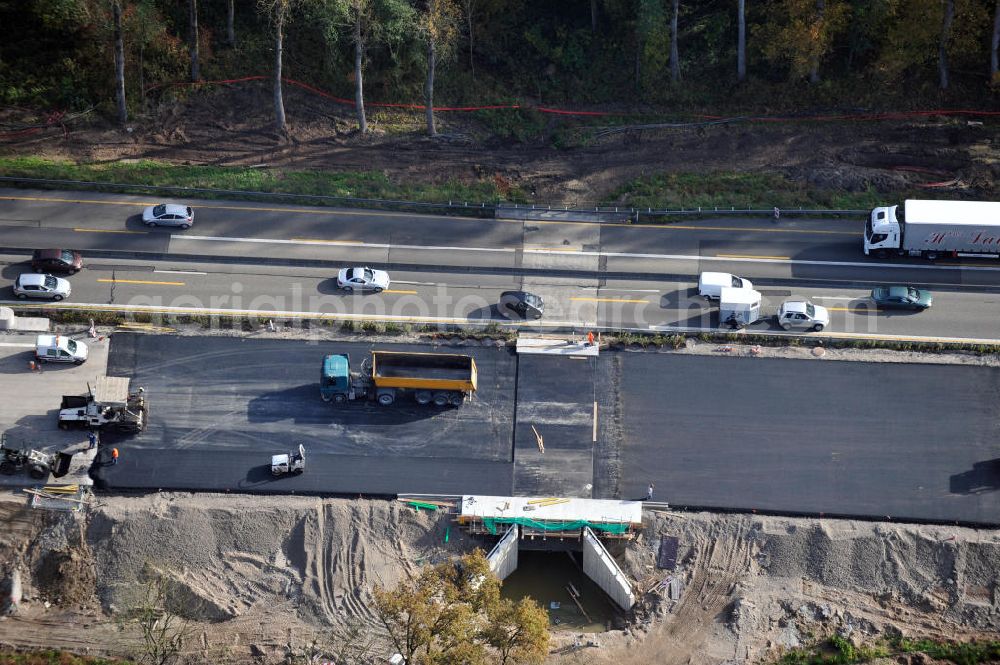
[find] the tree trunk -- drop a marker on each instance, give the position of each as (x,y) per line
(675,58)
(741,43)
(429,86)
(814,68)
(359,89)
(193,46)
(949,15)
(230,28)
(638,59)
(116,10)
(279,105)
(142,76)
(994,61)
(593,16)
(469,6)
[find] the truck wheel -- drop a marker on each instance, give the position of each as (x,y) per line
(882,254)
(423,397)
(8,468)
(63,425)
(38,471)
(386,399)
(457,399)
(786,326)
(931,256)
(441,399)
(339,398)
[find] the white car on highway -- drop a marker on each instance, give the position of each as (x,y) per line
(168,214)
(363,279)
(803,314)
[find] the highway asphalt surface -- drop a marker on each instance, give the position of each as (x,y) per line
(874,440)
(268,258)
(457,298)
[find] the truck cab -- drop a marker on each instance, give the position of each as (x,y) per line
(335,378)
(882,232)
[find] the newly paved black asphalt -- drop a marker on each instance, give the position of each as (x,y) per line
(813,436)
(876,440)
(220,407)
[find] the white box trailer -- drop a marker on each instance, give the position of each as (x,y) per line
(933,229)
(738,307)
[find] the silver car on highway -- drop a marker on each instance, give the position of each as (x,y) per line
(47,287)
(168,214)
(363,279)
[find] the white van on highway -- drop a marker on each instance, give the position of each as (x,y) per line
(60,349)
(710,284)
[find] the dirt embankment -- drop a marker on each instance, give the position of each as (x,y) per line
(232,127)
(254,575)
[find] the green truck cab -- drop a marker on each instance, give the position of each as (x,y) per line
(437,379)
(335,379)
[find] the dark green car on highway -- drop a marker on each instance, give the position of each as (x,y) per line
(901,297)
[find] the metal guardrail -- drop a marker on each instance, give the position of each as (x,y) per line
(473,209)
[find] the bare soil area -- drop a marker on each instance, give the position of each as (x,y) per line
(260,579)
(231,126)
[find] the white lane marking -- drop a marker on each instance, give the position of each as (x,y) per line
(831,333)
(663,257)
(180,272)
(270,313)
(278,241)
(603,288)
(17,346)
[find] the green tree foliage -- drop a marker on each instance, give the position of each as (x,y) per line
(58,54)
(913,32)
(452,613)
(653,37)
(801,33)
(161,633)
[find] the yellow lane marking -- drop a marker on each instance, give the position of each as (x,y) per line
(552,249)
(608,300)
(305,211)
(139,281)
(382,213)
(744,228)
(137,233)
(750,256)
(395,291)
(329,242)
(963,265)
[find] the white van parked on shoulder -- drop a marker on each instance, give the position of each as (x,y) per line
(710,284)
(60,349)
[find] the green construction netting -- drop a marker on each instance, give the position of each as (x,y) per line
(492,522)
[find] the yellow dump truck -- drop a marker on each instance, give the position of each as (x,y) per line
(439,379)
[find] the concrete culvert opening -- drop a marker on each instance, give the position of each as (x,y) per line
(551,549)
(555,579)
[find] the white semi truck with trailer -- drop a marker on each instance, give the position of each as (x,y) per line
(934,229)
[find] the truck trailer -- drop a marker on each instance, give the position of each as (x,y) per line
(439,379)
(933,229)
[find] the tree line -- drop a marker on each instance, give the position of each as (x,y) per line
(81,52)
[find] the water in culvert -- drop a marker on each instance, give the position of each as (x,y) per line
(545,575)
